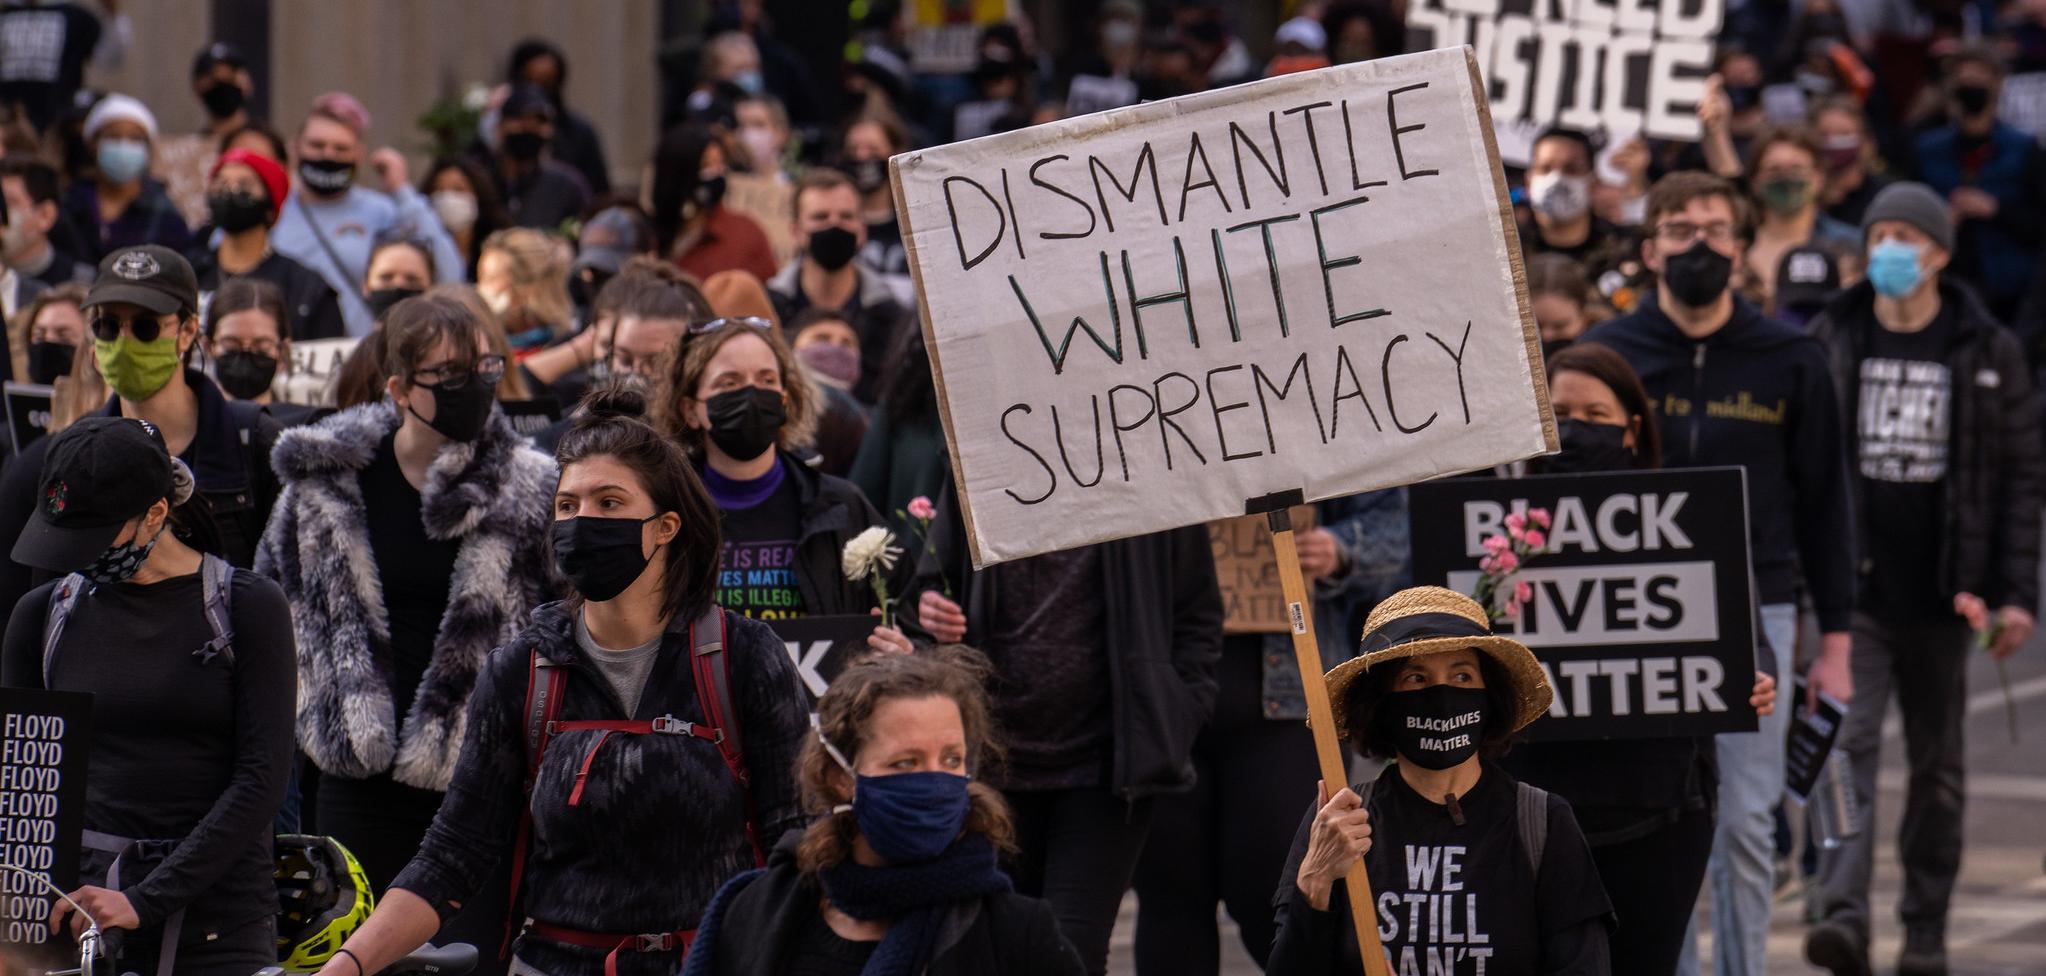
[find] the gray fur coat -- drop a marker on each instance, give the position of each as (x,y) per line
(494,495)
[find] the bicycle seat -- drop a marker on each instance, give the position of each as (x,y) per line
(453,959)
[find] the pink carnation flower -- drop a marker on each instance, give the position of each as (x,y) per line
(1515,523)
(1523,592)
(1535,539)
(1496,544)
(1507,562)
(920,507)
(1539,516)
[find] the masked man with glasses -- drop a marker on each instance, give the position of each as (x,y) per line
(1738,388)
(143,314)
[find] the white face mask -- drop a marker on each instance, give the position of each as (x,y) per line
(16,239)
(498,302)
(761,147)
(1559,197)
(457,209)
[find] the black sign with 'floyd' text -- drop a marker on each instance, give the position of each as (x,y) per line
(44,738)
(1639,609)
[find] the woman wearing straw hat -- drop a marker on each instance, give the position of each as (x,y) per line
(1471,871)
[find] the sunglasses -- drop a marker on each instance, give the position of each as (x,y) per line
(749,321)
(144,326)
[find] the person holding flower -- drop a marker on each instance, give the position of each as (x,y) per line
(1646,805)
(1943,425)
(737,402)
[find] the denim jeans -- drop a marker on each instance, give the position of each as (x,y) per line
(1742,871)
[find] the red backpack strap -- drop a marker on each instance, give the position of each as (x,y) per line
(712,665)
(545,681)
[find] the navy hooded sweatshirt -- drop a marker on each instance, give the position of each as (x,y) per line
(1758,394)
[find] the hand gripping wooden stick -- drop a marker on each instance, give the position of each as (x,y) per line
(1321,720)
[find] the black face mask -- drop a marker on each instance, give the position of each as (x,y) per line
(1743,97)
(744,423)
(600,557)
(1551,347)
(832,247)
(709,193)
(235,211)
(1697,277)
(326,177)
(868,175)
(243,374)
(49,360)
(1972,98)
(1436,727)
(1587,447)
(524,146)
(381,300)
(460,415)
(223,99)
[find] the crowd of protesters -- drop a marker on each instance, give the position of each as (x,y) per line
(732,384)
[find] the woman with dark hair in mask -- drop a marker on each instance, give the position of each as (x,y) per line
(245,193)
(398,268)
(1447,835)
(738,402)
(1646,805)
(629,751)
(465,199)
(868,143)
(189,664)
(691,222)
(247,344)
(897,873)
(411,540)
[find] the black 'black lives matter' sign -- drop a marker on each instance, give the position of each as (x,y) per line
(43,741)
(1641,613)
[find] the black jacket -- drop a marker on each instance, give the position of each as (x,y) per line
(1756,394)
(999,935)
(230,461)
(1989,529)
(309,301)
(1164,620)
(833,512)
(662,822)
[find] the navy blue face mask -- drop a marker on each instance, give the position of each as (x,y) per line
(907,817)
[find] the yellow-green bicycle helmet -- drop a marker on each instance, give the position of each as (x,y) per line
(322,898)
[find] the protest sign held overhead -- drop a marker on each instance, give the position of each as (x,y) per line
(1139,320)
(1639,610)
(1620,67)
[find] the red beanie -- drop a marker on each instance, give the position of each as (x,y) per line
(266,169)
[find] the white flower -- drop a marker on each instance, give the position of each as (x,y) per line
(869,552)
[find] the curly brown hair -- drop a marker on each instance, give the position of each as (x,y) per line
(845,718)
(686,372)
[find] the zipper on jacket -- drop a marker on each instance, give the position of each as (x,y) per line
(1697,397)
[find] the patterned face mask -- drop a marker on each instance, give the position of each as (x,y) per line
(123,560)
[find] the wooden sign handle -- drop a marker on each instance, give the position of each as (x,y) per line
(1321,720)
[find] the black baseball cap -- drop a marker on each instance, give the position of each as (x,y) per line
(218,52)
(150,275)
(525,101)
(99,474)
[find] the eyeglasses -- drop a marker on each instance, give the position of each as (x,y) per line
(1684,232)
(749,321)
(489,369)
(107,325)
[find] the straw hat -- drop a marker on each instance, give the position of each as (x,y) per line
(1429,620)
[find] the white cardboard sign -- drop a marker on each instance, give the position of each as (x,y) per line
(1142,318)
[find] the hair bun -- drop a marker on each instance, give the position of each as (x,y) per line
(605,403)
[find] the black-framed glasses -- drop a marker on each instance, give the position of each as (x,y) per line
(749,321)
(489,369)
(107,325)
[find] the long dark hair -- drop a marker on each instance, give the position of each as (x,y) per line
(1607,366)
(612,425)
(244,294)
(678,167)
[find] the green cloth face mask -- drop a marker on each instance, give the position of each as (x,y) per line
(137,370)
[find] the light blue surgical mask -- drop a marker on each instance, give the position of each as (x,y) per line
(122,160)
(1895,268)
(750,82)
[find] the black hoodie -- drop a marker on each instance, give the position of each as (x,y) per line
(1758,394)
